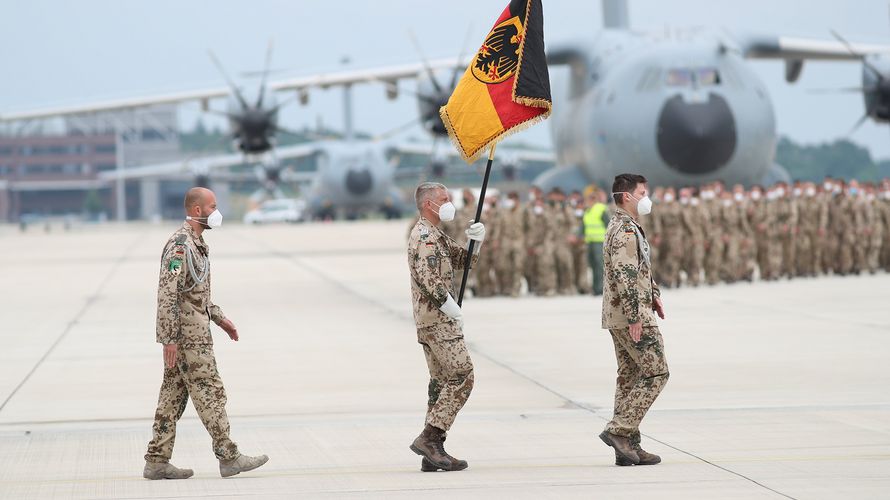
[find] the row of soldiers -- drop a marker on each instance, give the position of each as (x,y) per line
(705,234)
(715,234)
(540,241)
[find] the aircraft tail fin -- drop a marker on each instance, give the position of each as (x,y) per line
(615,14)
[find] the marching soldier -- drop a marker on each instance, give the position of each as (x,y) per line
(630,301)
(183,327)
(436,265)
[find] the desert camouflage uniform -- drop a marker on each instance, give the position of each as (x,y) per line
(714,246)
(629,296)
(183,318)
(540,236)
(511,251)
(485,270)
(787,219)
(563,224)
(436,265)
(580,263)
(695,220)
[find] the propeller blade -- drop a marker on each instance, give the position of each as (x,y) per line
(229,81)
(396,130)
(857,125)
(275,109)
(266,66)
(865,62)
(425,61)
(460,57)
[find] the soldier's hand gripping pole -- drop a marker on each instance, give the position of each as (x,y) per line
(463,282)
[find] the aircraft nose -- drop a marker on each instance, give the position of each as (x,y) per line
(359,182)
(696,138)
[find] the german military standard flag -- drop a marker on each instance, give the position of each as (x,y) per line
(506,88)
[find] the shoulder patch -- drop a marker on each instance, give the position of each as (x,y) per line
(175,266)
(180,239)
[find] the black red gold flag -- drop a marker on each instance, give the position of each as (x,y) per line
(506,88)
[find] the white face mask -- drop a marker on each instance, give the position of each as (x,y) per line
(739,197)
(668,197)
(538,210)
(694,202)
(644,205)
(811,192)
(213,220)
(755,195)
(446,211)
(509,203)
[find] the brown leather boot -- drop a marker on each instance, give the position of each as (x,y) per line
(427,466)
(622,445)
(429,445)
(646,458)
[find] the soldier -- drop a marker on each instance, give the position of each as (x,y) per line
(512,246)
(485,270)
(807,234)
(874,233)
(761,218)
(540,234)
(436,265)
(631,299)
(670,229)
(183,327)
(787,214)
(562,223)
(596,218)
(695,220)
(578,246)
(714,236)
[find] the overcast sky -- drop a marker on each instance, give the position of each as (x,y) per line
(65,52)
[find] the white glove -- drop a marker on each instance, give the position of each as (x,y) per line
(476,232)
(452,310)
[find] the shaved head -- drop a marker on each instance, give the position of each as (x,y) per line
(196,196)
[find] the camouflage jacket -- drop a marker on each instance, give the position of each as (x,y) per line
(436,263)
(629,291)
(184,306)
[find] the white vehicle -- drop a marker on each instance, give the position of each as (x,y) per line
(280,210)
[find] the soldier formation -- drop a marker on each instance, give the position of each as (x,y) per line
(708,234)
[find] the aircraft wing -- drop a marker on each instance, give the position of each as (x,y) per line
(781,47)
(204,164)
(388,75)
(116,104)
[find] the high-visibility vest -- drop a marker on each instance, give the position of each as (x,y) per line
(594,228)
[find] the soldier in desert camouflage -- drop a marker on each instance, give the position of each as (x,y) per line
(631,300)
(436,265)
(183,327)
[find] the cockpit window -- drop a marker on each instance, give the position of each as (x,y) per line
(687,77)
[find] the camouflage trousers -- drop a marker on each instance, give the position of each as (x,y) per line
(582,269)
(195,375)
(565,269)
(451,373)
(509,268)
(642,374)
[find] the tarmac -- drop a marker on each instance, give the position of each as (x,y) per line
(776,389)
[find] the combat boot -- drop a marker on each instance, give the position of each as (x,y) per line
(646,458)
(622,445)
(427,466)
(165,470)
(429,445)
(243,463)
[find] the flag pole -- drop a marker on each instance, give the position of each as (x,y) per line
(463,282)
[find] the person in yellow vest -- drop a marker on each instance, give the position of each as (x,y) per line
(596,218)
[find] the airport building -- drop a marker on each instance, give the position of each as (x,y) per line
(48,171)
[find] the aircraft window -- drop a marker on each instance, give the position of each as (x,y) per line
(679,78)
(685,77)
(708,76)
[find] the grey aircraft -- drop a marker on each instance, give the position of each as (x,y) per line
(683,108)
